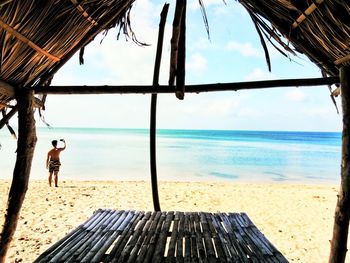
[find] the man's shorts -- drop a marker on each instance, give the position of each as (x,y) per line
(54,166)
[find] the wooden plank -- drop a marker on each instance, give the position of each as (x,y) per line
(161,243)
(209,248)
(224,244)
(154,239)
(140,256)
(180,239)
(128,251)
(170,257)
(84,242)
(257,237)
(78,246)
(219,241)
(124,236)
(187,237)
(101,245)
(193,238)
(199,238)
(233,234)
(265,243)
(44,257)
(251,249)
(66,248)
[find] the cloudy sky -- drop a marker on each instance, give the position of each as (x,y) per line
(232,54)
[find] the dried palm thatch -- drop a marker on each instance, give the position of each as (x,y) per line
(320,29)
(38,37)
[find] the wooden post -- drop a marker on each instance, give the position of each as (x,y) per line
(175,41)
(25,150)
(181,56)
(153,164)
(342,210)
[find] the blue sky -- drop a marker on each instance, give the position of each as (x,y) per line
(232,54)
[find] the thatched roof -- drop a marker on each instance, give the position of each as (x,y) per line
(318,28)
(38,37)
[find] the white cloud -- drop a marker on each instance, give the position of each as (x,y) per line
(204,44)
(117,62)
(245,49)
(197,63)
(296,95)
(258,74)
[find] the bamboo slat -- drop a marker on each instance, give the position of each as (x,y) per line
(124,248)
(25,40)
(344,59)
(84,13)
(153,240)
(172,242)
(307,12)
(132,236)
(161,243)
(179,242)
(132,248)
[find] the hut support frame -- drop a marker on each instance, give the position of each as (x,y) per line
(143,89)
(153,118)
(342,210)
(25,150)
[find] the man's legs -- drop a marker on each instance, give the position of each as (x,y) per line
(56,178)
(50,178)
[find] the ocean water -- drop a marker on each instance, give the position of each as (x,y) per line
(185,155)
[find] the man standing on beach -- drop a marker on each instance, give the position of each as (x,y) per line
(53,161)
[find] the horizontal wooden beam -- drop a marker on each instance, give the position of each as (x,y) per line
(137,89)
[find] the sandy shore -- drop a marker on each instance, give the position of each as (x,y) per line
(297,219)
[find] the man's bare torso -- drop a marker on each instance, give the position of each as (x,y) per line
(54,154)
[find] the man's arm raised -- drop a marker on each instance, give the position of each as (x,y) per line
(65,145)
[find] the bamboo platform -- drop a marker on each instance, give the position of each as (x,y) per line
(134,236)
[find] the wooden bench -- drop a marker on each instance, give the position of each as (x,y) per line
(134,236)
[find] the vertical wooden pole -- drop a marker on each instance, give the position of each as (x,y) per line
(342,210)
(25,150)
(153,164)
(175,41)
(181,57)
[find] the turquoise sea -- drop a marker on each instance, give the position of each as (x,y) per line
(185,155)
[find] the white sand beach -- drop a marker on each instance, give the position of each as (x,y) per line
(297,219)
